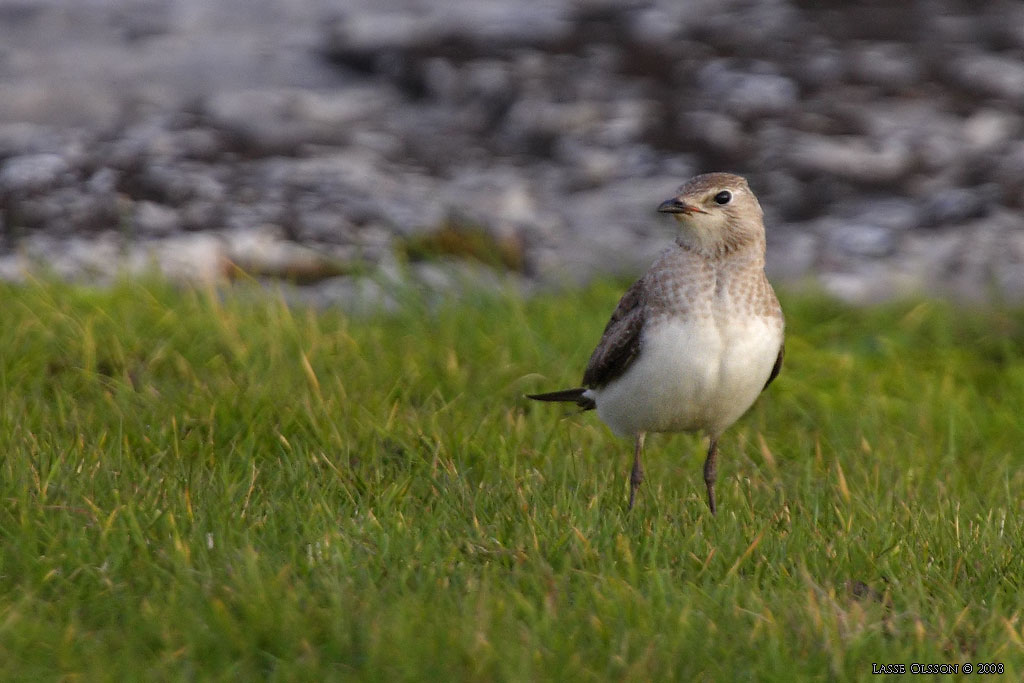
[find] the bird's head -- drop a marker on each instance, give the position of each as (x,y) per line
(718,213)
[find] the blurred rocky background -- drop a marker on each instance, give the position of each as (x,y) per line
(345,146)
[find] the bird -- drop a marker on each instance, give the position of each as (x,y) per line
(697,338)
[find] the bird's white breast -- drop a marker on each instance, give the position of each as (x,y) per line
(698,373)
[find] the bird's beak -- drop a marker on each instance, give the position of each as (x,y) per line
(677,205)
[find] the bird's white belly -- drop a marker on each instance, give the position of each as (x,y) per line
(692,376)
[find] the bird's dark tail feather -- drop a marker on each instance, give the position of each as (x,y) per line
(567,395)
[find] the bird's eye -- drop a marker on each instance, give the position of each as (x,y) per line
(723,197)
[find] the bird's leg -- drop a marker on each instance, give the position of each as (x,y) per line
(711,472)
(636,476)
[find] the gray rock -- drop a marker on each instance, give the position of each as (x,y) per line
(32,173)
(22,138)
(339,109)
(862,236)
(864,239)
(1007,24)
(190,258)
(13,268)
(890,65)
(202,214)
(747,94)
(892,213)
(270,121)
(96,258)
(154,220)
(989,130)
(592,165)
(784,198)
(103,181)
(1009,269)
(491,195)
(991,75)
(356,295)
(368,188)
(150,137)
(946,28)
(65,211)
(555,127)
(324,226)
(967,271)
(355,36)
(489,79)
(926,255)
(202,144)
(793,256)
(718,131)
(862,284)
(251,216)
(442,79)
(539,117)
(1010,280)
(851,158)
(659,25)
(375,32)
(821,64)
(264,252)
(958,205)
(175,183)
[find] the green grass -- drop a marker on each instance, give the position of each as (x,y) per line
(198,486)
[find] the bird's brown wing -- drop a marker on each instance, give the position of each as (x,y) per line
(620,343)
